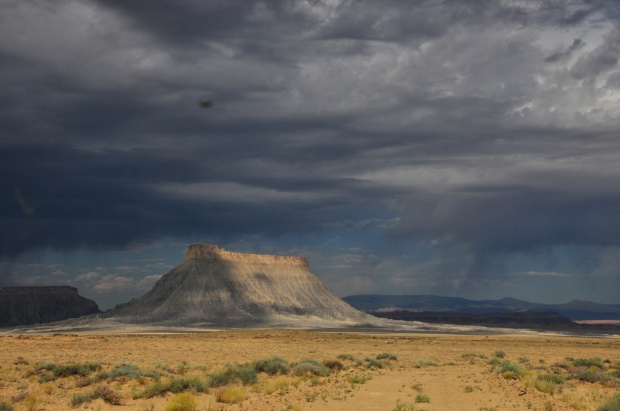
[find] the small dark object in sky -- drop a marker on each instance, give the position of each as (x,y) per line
(205,103)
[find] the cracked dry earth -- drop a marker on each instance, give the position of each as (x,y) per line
(452,371)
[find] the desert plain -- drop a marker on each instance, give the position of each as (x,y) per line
(364,371)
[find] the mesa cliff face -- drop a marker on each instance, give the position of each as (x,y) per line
(215,286)
(37,305)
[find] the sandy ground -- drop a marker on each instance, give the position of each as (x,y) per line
(461,380)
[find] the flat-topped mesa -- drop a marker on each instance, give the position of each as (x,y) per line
(212,252)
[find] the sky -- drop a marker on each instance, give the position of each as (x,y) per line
(457,148)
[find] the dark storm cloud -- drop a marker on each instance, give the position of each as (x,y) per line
(434,121)
(577,44)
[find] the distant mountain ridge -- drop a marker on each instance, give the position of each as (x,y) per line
(575,310)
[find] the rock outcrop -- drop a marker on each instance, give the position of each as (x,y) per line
(215,286)
(37,305)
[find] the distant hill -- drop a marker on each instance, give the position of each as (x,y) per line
(575,310)
(39,305)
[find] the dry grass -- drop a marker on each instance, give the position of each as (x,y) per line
(256,369)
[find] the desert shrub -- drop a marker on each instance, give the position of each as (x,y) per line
(272,366)
(310,367)
(509,366)
(577,400)
(558,379)
(612,405)
(131,371)
(46,378)
(333,364)
(357,379)
(48,388)
(175,385)
(401,406)
(79,399)
(280,383)
(422,398)
(588,362)
(84,382)
(494,361)
(75,369)
(19,397)
(469,389)
(5,406)
(386,355)
(233,395)
(545,386)
(422,362)
(349,357)
(370,363)
(109,395)
(44,365)
(523,360)
(231,375)
(182,367)
(596,375)
(157,389)
(182,402)
(500,353)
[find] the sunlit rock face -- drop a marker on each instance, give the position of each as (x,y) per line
(38,305)
(215,286)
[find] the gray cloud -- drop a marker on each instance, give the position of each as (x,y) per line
(483,129)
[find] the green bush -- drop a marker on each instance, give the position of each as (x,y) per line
(422,362)
(182,402)
(79,399)
(612,405)
(44,365)
(588,375)
(545,386)
(272,366)
(175,385)
(75,369)
(333,364)
(401,406)
(232,395)
(500,353)
(588,362)
(422,398)
(232,374)
(386,355)
(349,357)
(5,406)
(105,393)
(310,367)
(494,362)
(131,371)
(558,379)
(109,395)
(357,379)
(509,366)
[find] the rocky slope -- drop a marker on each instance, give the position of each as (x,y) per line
(215,286)
(37,305)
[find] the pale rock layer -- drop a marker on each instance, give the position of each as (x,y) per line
(215,286)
